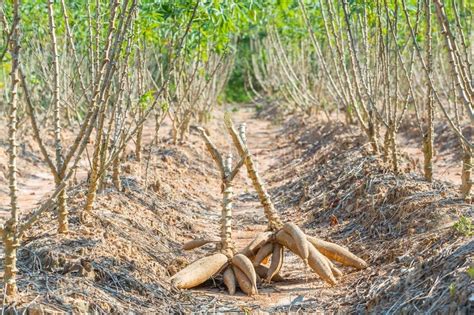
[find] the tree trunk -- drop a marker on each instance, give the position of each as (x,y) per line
(92,190)
(393,148)
(372,132)
(63,223)
(428,154)
(116,173)
(103,160)
(386,145)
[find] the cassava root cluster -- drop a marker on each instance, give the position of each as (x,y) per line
(247,268)
(316,253)
(236,268)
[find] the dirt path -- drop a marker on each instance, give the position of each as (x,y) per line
(30,191)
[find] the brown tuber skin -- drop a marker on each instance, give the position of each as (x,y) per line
(335,271)
(262,273)
(264,251)
(245,265)
(244,283)
(277,261)
(196,243)
(299,238)
(199,271)
(229,280)
(260,240)
(337,253)
(316,260)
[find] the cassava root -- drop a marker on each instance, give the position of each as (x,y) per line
(244,282)
(263,253)
(299,238)
(315,259)
(199,271)
(193,244)
(277,261)
(229,280)
(337,253)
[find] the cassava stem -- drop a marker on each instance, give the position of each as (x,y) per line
(240,142)
(10,239)
(62,198)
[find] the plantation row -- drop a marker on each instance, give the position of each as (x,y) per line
(104,69)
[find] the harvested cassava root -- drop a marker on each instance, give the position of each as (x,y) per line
(316,260)
(277,261)
(244,264)
(316,253)
(262,272)
(229,280)
(237,268)
(193,244)
(300,240)
(245,268)
(199,271)
(337,253)
(263,253)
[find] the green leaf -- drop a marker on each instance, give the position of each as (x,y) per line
(464,226)
(146,99)
(452,289)
(470,272)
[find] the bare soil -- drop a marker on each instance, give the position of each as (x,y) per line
(320,176)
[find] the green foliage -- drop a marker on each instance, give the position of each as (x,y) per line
(220,26)
(236,90)
(146,99)
(464,226)
(470,272)
(237,94)
(164,106)
(452,289)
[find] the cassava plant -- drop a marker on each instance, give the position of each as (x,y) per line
(316,253)
(120,21)
(9,232)
(460,72)
(386,64)
(90,101)
(235,268)
(196,85)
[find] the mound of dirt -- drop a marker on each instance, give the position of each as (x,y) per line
(399,223)
(120,257)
